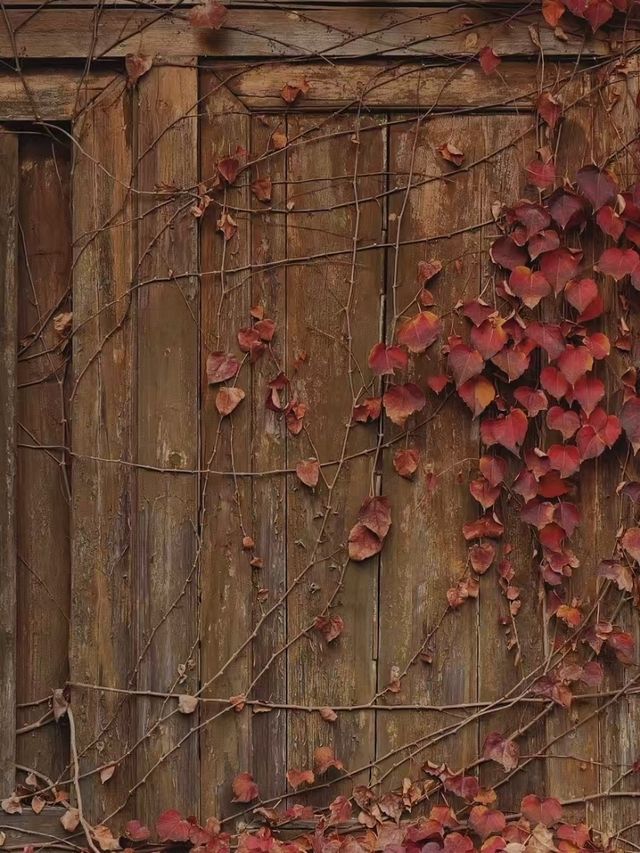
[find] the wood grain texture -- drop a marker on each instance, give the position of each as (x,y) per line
(9,173)
(167,432)
(227,586)
(333,320)
(614,129)
(364,32)
(43,477)
(426,553)
(52,94)
(102,644)
(269,452)
(396,86)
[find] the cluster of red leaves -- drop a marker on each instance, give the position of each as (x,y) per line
(595,12)
(516,369)
(481,826)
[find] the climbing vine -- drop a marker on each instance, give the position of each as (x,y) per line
(541,363)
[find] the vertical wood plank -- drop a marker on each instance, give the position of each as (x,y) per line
(226,580)
(103,609)
(333,309)
(425,552)
(43,484)
(614,128)
(269,453)
(167,430)
(499,668)
(9,173)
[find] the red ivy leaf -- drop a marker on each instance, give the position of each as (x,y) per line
(574,363)
(308,472)
(420,331)
(477,393)
(171,826)
(228,399)
(385,359)
(324,758)
(508,431)
(481,556)
(549,109)
(296,778)
(564,421)
(548,811)
(564,458)
(210,15)
(507,254)
(631,542)
(136,66)
(502,750)
(623,646)
(220,367)
(136,831)
(597,186)
(618,263)
(630,420)
(368,410)
(402,401)
(406,462)
(368,534)
(261,188)
(244,789)
(464,363)
(448,151)
(485,821)
(541,175)
(489,60)
(329,626)
(529,286)
(290,92)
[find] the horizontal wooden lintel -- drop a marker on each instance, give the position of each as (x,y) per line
(424,32)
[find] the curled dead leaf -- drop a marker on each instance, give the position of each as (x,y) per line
(187,704)
(228,399)
(70,820)
(107,772)
(328,714)
(136,66)
(290,92)
(308,472)
(210,15)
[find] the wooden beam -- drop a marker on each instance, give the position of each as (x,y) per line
(167,436)
(103,602)
(8,346)
(367,31)
(50,94)
(388,85)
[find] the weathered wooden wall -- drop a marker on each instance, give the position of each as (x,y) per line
(133,496)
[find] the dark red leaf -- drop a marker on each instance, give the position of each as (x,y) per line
(489,60)
(171,826)
(220,367)
(464,363)
(506,254)
(402,401)
(477,393)
(564,458)
(505,752)
(420,331)
(597,186)
(508,431)
(385,359)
